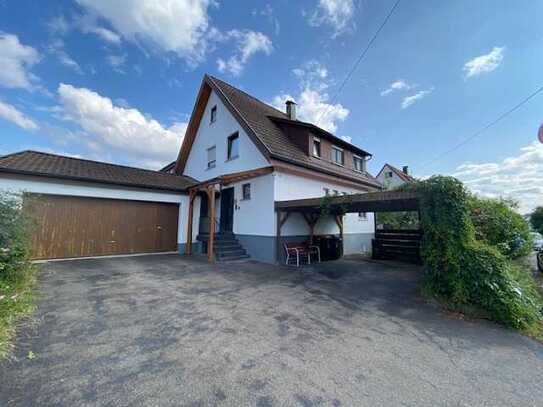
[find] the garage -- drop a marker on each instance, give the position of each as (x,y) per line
(67,226)
(85,208)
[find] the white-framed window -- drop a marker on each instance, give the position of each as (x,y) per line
(233,146)
(326,191)
(316,147)
(213,115)
(388,174)
(362,216)
(246,192)
(337,155)
(358,163)
(211,157)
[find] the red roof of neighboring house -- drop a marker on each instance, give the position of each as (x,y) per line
(402,175)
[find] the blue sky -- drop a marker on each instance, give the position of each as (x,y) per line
(116,81)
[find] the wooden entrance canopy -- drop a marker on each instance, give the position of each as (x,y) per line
(209,187)
(338,205)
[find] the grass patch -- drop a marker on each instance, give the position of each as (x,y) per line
(17,299)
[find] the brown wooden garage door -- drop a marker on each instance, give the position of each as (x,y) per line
(77,227)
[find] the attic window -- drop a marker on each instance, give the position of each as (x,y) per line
(233,146)
(213,115)
(337,155)
(388,174)
(316,147)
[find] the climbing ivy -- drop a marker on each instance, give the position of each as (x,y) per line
(466,272)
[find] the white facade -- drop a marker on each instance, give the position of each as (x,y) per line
(19,184)
(288,186)
(256,216)
(216,135)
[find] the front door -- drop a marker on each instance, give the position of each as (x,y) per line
(227,210)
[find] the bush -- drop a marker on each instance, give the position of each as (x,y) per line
(536,219)
(498,224)
(464,271)
(16,272)
(398,220)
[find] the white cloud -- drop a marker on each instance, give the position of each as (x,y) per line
(410,100)
(517,177)
(56,48)
(249,43)
(177,26)
(396,86)
(86,24)
(12,114)
(313,100)
(117,62)
(336,13)
(484,63)
(15,61)
(126,130)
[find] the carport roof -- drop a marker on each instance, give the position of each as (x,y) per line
(57,166)
(384,201)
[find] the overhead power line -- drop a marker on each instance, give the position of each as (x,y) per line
(483,129)
(360,58)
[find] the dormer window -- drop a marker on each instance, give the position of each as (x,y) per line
(213,115)
(337,155)
(358,163)
(316,147)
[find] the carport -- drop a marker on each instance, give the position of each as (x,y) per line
(312,209)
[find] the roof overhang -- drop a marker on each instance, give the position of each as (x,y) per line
(384,201)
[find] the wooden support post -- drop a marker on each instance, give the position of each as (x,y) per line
(311,222)
(339,221)
(280,222)
(211,198)
(188,249)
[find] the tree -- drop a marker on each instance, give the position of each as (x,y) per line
(536,219)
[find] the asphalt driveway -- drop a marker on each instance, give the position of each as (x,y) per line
(167,331)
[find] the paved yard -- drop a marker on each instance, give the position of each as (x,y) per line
(167,331)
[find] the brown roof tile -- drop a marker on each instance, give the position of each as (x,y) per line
(57,166)
(260,117)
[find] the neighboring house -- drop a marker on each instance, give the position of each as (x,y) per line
(391,177)
(170,168)
(250,153)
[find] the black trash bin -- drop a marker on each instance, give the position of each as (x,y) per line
(331,247)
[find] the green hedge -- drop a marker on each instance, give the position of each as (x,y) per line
(464,271)
(16,272)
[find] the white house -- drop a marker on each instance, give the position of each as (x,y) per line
(391,177)
(247,154)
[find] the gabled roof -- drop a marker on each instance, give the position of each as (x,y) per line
(168,167)
(258,120)
(402,175)
(57,166)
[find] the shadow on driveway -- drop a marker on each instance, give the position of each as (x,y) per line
(167,330)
